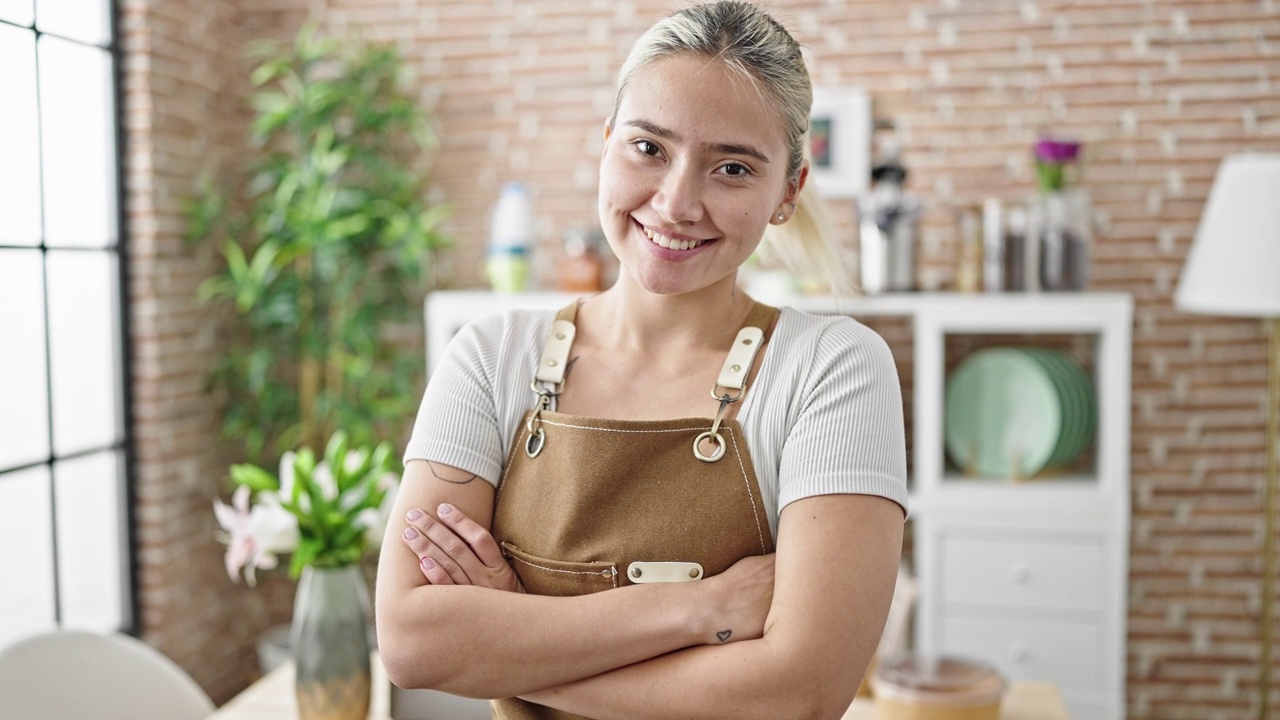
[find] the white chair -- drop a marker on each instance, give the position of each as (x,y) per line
(74,675)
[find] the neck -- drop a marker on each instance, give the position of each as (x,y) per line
(632,317)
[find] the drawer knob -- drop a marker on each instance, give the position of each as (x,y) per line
(1018,654)
(1020,574)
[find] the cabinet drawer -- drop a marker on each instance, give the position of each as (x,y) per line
(1066,653)
(1022,571)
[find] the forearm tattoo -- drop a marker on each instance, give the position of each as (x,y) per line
(724,635)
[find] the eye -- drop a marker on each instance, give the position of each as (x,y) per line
(647,147)
(735,170)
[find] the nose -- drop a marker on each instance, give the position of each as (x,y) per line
(679,195)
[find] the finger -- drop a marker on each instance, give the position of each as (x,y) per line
(416,541)
(428,538)
(453,554)
(435,574)
(474,534)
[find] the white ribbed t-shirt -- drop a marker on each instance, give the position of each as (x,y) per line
(824,415)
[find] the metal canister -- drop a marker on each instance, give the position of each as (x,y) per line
(888,229)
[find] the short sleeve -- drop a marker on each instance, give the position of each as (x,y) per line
(848,437)
(458,421)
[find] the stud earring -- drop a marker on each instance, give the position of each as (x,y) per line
(782,216)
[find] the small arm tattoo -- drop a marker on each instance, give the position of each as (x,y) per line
(456,480)
(724,635)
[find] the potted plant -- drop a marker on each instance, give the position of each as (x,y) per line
(324,258)
(327,512)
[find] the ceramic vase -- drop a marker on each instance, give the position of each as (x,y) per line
(331,644)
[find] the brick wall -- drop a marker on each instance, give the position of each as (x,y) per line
(183,68)
(1159,91)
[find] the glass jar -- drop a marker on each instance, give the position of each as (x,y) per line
(1062,231)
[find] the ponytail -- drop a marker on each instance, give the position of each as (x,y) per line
(804,245)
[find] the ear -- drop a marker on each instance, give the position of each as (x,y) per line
(795,186)
(608,133)
(791,197)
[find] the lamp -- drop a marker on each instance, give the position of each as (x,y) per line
(1234,269)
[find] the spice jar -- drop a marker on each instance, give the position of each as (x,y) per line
(582,269)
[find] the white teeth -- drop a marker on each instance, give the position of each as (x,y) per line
(666,242)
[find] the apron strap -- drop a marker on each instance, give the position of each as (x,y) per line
(763,317)
(568,313)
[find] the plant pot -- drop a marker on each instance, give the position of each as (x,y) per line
(331,644)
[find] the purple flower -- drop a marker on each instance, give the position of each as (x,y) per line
(1052,157)
(1057,152)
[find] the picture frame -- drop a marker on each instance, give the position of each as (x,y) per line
(840,142)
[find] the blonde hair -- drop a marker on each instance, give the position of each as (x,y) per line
(750,41)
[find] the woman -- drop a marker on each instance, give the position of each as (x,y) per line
(547,517)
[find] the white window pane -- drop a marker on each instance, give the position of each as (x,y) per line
(26,555)
(89,497)
(21,12)
(79,153)
(24,397)
(83,350)
(19,138)
(85,20)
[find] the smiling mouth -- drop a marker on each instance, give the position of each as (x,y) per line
(661,240)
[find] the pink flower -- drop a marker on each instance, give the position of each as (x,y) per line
(254,535)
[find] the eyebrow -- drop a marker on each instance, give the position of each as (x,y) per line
(665,134)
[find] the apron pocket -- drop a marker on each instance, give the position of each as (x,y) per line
(541,576)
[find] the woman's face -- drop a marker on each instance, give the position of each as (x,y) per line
(693,171)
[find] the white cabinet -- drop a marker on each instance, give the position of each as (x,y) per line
(1031,576)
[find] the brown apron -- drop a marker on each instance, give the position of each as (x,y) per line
(587,504)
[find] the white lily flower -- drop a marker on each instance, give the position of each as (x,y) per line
(254,535)
(287,480)
(322,476)
(354,459)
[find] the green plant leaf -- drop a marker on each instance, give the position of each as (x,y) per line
(256,478)
(335,452)
(323,247)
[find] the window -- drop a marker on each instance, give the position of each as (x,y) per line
(64,531)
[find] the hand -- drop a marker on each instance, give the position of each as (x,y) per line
(739,599)
(456,550)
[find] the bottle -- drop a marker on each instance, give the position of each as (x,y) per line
(582,269)
(969,257)
(993,251)
(887,230)
(1015,250)
(512,233)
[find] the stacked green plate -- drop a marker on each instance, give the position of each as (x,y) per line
(1014,412)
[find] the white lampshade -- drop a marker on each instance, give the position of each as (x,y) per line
(1234,265)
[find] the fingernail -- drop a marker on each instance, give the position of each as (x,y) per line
(428,563)
(410,534)
(414,514)
(445,509)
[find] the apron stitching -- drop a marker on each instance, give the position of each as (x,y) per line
(747,481)
(550,569)
(510,461)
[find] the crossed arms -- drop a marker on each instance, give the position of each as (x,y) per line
(803,623)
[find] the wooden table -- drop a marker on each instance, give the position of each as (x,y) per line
(1024,701)
(271,698)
